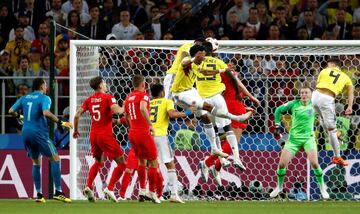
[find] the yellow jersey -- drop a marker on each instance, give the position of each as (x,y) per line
(176,64)
(208,86)
(333,79)
(184,78)
(159,116)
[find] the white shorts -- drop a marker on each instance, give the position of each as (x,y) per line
(168,81)
(165,153)
(219,102)
(188,98)
(324,105)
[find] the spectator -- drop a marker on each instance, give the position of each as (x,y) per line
(356,16)
(24,71)
(209,32)
(341,29)
(96,28)
(42,43)
(233,28)
(28,30)
(73,21)
(108,13)
(320,19)
(155,23)
(35,60)
(149,34)
(58,15)
(241,8)
(274,32)
(62,51)
(260,30)
(17,47)
(168,36)
(264,16)
(125,30)
(302,34)
(355,32)
(248,33)
(137,13)
(7,22)
(64,84)
(187,21)
(330,8)
(268,64)
(7,70)
(84,15)
(313,30)
(72,4)
(35,16)
(45,67)
(281,22)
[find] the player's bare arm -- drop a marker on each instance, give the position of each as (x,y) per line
(350,90)
(55,119)
(116,109)
(78,114)
(247,93)
(173,114)
(145,113)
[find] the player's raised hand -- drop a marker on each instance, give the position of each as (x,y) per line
(76,134)
(348,110)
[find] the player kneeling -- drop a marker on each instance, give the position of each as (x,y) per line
(301,135)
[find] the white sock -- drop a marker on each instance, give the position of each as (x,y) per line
(224,114)
(218,142)
(231,138)
(210,133)
(334,142)
(173,181)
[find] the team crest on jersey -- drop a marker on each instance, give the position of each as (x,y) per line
(113,100)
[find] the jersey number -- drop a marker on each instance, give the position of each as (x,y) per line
(29,110)
(336,76)
(209,78)
(153,113)
(132,111)
(96,112)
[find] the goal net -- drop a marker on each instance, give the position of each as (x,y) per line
(272,71)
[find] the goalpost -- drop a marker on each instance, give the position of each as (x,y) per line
(271,70)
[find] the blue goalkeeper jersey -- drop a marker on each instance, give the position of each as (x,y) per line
(32,106)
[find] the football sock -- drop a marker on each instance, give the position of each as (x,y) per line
(159,184)
(125,183)
(281,176)
(92,173)
(142,176)
(319,176)
(217,165)
(209,161)
(210,133)
(231,138)
(334,142)
(173,181)
(152,175)
(56,173)
(37,177)
(118,171)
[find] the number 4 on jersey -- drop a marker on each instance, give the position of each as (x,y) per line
(336,76)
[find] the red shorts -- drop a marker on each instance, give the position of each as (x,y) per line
(237,108)
(105,143)
(143,143)
(132,160)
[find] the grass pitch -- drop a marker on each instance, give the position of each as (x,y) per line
(198,207)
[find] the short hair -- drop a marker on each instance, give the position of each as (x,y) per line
(23,57)
(95,82)
(37,83)
(280,8)
(305,86)
(137,80)
(194,49)
(156,89)
(208,47)
(19,26)
(335,60)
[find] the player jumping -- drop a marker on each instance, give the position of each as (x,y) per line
(101,106)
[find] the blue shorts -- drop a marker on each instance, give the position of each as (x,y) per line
(37,143)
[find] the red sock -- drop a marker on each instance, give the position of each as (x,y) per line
(152,176)
(159,185)
(92,173)
(209,161)
(142,176)
(226,148)
(118,171)
(217,165)
(125,183)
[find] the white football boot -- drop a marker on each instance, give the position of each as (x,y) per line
(323,191)
(110,195)
(275,192)
(238,164)
(154,198)
(216,175)
(176,199)
(89,194)
(204,171)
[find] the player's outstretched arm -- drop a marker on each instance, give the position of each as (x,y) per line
(47,113)
(145,113)
(173,114)
(78,114)
(350,90)
(116,109)
(247,93)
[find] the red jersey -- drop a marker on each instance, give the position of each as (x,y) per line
(99,105)
(230,92)
(132,108)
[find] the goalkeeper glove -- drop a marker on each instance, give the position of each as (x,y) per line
(277,134)
(67,125)
(20,119)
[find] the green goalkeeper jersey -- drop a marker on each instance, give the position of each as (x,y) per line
(302,118)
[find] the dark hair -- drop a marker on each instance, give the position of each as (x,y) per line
(19,26)
(137,80)
(21,84)
(95,82)
(69,18)
(253,8)
(37,83)
(280,8)
(200,39)
(335,60)
(23,57)
(194,49)
(156,89)
(305,86)
(208,48)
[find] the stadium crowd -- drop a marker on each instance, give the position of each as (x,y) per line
(25,37)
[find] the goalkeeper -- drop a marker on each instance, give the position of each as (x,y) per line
(35,133)
(301,135)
